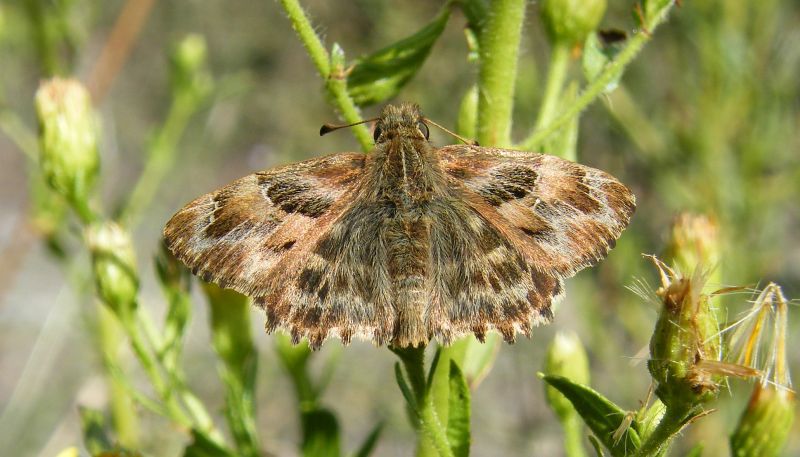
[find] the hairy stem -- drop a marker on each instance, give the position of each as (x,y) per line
(413,359)
(499,48)
(665,431)
(161,156)
(332,72)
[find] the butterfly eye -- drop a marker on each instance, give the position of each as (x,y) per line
(424,129)
(376,133)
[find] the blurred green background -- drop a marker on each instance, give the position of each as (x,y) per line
(706,120)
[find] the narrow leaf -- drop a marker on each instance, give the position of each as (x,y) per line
(381,75)
(95,437)
(601,415)
(369,443)
(476,12)
(458,432)
(202,446)
(432,369)
(320,433)
(401,381)
(479,358)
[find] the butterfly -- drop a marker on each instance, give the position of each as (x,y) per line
(407,243)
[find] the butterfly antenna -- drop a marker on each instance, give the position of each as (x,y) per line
(459,137)
(328,128)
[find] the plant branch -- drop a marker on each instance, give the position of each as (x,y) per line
(330,68)
(665,431)
(595,88)
(118,47)
(413,359)
(499,48)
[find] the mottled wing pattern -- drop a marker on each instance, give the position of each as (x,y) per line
(404,278)
(559,215)
(240,234)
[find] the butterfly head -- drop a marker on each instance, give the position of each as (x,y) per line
(400,121)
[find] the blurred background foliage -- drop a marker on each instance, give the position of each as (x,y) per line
(705,120)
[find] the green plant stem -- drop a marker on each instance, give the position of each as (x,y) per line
(556,74)
(126,424)
(595,88)
(160,158)
(499,48)
(20,134)
(665,431)
(413,359)
(333,74)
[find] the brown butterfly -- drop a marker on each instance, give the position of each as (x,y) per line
(407,243)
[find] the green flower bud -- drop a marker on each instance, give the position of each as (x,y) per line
(114,265)
(569,22)
(686,334)
(189,73)
(565,357)
(69,158)
(764,426)
(694,241)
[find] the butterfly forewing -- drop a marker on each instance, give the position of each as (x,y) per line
(562,215)
(239,235)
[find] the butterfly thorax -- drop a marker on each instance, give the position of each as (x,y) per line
(404,169)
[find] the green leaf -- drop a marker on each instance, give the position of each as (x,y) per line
(381,75)
(401,381)
(202,446)
(320,433)
(479,357)
(369,443)
(432,369)
(596,445)
(601,415)
(476,12)
(458,433)
(95,437)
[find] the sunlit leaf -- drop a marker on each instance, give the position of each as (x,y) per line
(202,446)
(601,415)
(381,75)
(369,443)
(458,433)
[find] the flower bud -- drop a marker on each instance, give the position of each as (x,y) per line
(569,22)
(68,135)
(694,241)
(114,265)
(686,333)
(565,357)
(189,73)
(764,426)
